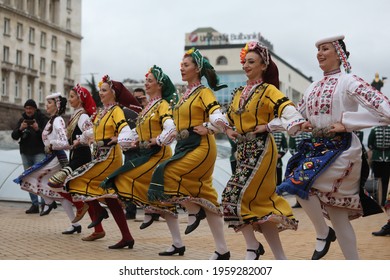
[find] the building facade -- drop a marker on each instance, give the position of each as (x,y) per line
(223,52)
(41,48)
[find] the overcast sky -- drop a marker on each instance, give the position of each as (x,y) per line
(124,38)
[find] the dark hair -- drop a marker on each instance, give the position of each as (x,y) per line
(208,73)
(139,90)
(344,47)
(60,112)
(31,103)
(271,74)
(211,77)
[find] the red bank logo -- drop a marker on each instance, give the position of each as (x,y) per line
(193,37)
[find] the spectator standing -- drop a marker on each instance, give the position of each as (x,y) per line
(28,132)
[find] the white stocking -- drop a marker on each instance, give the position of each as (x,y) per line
(251,241)
(271,234)
(344,232)
(216,225)
(173,225)
(147,217)
(48,201)
(68,207)
(312,207)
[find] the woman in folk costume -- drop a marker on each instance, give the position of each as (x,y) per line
(154,132)
(328,172)
(110,127)
(249,199)
(78,130)
(186,178)
(35,179)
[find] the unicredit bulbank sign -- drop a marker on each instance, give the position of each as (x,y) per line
(215,38)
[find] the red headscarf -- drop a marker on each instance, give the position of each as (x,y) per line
(124,97)
(89,104)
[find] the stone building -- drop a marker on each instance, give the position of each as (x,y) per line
(41,48)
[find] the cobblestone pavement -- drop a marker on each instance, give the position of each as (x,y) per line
(31,237)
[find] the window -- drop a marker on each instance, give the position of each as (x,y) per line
(29,90)
(67,71)
(19,4)
(69,4)
(68,49)
(19,58)
(31,61)
(222,60)
(54,43)
(42,65)
(6,54)
(53,69)
(68,24)
(7,26)
(31,7)
(19,31)
(53,88)
(41,93)
(43,40)
(4,85)
(42,9)
(31,36)
(16,88)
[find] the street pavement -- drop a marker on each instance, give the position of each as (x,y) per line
(31,237)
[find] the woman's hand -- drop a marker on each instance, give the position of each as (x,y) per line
(306,127)
(152,141)
(76,143)
(260,128)
(337,127)
(232,134)
(201,130)
(113,141)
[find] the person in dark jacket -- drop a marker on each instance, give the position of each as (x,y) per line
(28,132)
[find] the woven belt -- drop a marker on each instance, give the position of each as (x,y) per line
(144,144)
(249,136)
(323,132)
(184,134)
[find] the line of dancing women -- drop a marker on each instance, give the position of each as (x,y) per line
(327,173)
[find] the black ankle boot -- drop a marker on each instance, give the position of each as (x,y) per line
(52,206)
(199,216)
(152,219)
(329,239)
(103,215)
(73,230)
(122,244)
(258,252)
(225,256)
(177,250)
(385,230)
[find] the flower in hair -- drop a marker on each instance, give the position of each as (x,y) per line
(243,53)
(190,51)
(257,47)
(105,79)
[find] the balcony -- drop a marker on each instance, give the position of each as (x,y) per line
(20,69)
(7,66)
(32,72)
(68,82)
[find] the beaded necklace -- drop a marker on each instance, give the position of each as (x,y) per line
(190,89)
(247,90)
(152,102)
(103,112)
(332,72)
